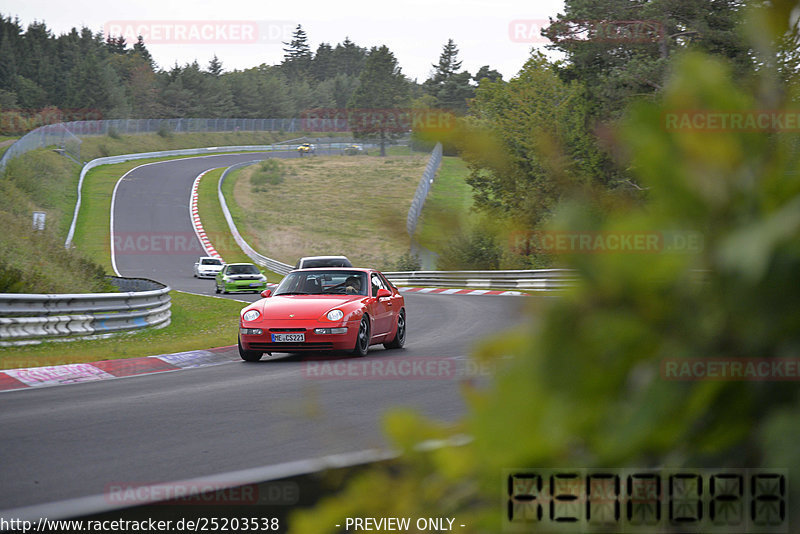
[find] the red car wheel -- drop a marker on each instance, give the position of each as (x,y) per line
(400,335)
(362,340)
(248,355)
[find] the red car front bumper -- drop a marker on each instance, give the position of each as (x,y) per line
(263,342)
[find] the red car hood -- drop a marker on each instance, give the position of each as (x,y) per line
(303,306)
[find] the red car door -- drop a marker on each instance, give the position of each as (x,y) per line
(383,313)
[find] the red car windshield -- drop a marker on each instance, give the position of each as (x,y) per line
(323,283)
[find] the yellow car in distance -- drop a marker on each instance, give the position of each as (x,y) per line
(306,148)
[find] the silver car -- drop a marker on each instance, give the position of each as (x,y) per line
(309,262)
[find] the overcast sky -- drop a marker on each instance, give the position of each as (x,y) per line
(247,33)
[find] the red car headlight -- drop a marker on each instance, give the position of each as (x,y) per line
(251,315)
(335,315)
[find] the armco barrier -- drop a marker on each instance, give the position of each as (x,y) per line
(25,318)
(535,280)
(273,265)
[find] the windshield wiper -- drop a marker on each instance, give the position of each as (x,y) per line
(291,293)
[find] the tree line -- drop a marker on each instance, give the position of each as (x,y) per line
(84,74)
(550,130)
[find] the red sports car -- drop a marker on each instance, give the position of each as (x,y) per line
(324,309)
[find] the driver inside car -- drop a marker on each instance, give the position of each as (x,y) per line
(352,285)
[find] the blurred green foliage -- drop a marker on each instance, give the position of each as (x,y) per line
(534,144)
(408,261)
(580,383)
(473,249)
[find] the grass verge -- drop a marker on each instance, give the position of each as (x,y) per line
(448,206)
(356,206)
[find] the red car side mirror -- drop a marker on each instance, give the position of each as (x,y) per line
(383,293)
(266,294)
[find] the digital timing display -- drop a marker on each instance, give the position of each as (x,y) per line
(645,500)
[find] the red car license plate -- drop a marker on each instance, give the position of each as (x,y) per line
(288,338)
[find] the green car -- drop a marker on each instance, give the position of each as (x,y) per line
(240,277)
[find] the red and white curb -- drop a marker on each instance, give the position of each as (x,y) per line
(74,373)
(445,291)
(198,226)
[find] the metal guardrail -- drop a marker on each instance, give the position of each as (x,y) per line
(273,265)
(422,189)
(27,318)
(533,280)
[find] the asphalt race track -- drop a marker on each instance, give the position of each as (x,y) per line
(73,441)
(152,229)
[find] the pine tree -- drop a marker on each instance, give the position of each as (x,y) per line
(175,98)
(93,84)
(448,63)
(376,105)
(275,96)
(116,45)
(452,89)
(349,58)
(244,90)
(143,89)
(297,58)
(8,63)
(140,49)
(322,66)
(455,93)
(617,68)
(215,67)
